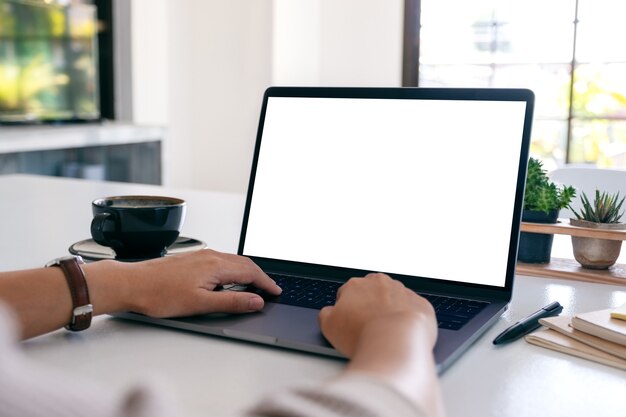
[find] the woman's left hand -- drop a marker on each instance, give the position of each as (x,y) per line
(183,285)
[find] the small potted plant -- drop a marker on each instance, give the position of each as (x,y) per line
(543,200)
(604,213)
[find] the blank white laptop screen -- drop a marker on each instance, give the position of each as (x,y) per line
(413,187)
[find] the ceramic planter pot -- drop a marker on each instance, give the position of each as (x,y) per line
(536,248)
(594,253)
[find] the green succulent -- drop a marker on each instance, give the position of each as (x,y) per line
(543,195)
(605,209)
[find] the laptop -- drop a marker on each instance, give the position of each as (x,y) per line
(424,184)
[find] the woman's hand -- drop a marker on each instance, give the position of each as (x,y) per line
(183,285)
(388,332)
(370,301)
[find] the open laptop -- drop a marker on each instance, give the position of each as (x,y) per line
(424,184)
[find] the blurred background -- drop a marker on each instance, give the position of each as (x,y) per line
(195,71)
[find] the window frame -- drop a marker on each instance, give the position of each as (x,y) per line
(411,66)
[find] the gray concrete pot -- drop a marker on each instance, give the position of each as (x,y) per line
(594,253)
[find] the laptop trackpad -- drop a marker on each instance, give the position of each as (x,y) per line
(276,324)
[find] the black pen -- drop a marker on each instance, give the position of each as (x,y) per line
(528,324)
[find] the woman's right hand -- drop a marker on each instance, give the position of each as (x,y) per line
(388,332)
(367,302)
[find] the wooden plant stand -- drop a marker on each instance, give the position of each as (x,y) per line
(570,268)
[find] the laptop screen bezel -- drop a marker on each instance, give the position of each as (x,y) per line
(422,284)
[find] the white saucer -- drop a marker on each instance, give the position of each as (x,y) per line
(92,251)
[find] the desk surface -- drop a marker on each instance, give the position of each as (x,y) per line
(42,216)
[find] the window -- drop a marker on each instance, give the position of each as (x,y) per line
(55,60)
(567,51)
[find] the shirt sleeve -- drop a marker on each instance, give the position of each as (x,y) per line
(354,395)
(28,389)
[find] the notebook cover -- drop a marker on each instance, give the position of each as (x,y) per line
(599,323)
(551,339)
(561,324)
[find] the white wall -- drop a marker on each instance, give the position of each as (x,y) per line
(150,70)
(220,60)
(200,67)
(338,42)
(296,42)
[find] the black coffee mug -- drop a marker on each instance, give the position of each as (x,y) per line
(137,227)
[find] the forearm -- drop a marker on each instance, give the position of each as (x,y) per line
(399,353)
(171,286)
(41,298)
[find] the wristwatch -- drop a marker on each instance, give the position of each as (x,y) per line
(81,306)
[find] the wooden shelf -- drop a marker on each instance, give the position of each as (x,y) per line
(562,227)
(570,268)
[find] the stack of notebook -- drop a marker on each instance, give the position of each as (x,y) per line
(598,336)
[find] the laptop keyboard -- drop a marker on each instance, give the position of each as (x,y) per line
(452,313)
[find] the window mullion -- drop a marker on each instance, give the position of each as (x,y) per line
(570,112)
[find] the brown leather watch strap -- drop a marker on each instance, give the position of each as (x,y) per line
(81,306)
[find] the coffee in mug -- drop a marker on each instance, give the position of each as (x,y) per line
(137,227)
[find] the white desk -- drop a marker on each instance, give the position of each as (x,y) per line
(40,217)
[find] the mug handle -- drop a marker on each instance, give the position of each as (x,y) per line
(97,227)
